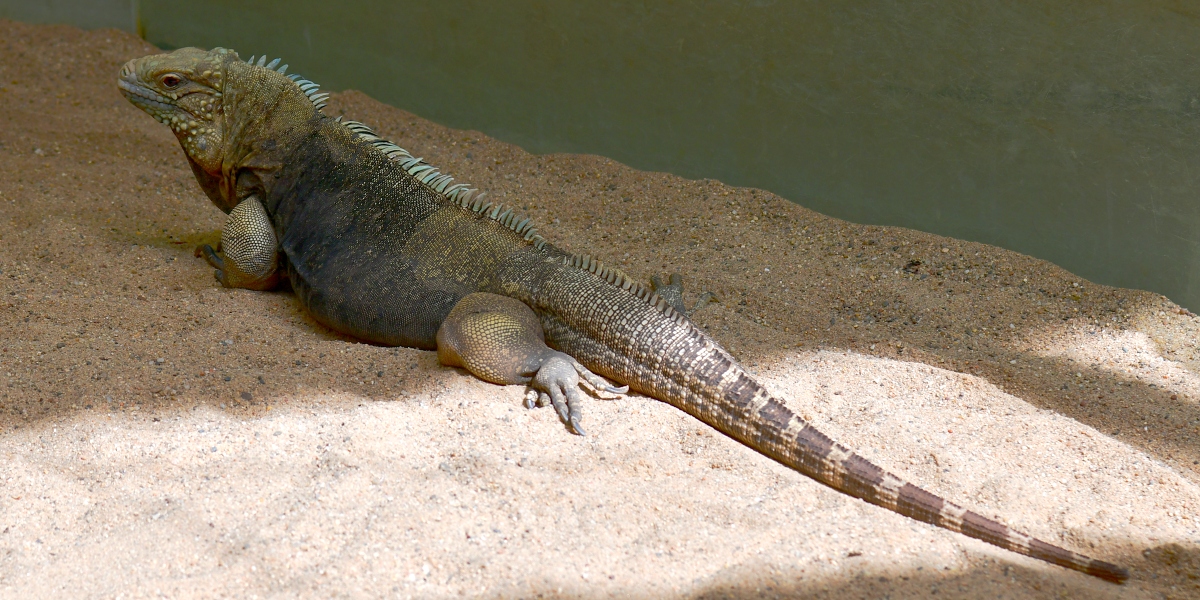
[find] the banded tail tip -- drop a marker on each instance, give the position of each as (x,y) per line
(1107,571)
(1065,558)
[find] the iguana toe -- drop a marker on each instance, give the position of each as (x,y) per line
(211,256)
(671,292)
(558,379)
(596,382)
(536,399)
(215,261)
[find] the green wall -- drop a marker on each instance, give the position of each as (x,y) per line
(88,14)
(1066,130)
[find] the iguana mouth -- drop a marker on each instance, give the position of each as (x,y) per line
(143,97)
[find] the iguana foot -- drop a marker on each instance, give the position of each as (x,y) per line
(500,339)
(558,379)
(673,293)
(214,260)
(554,375)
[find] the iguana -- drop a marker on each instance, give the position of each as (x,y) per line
(380,245)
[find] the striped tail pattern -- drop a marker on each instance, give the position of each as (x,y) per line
(736,404)
(632,337)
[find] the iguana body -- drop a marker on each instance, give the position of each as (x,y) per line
(380,246)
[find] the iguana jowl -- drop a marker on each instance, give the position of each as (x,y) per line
(380,245)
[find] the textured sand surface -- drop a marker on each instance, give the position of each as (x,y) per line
(160,435)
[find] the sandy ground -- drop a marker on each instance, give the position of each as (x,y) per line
(160,435)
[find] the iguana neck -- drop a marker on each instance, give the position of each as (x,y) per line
(265,113)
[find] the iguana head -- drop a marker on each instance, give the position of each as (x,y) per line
(184,91)
(232,118)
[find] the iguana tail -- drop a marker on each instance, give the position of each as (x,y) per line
(741,408)
(634,339)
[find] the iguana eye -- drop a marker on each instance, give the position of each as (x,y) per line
(171,81)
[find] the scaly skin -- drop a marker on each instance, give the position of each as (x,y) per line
(379,246)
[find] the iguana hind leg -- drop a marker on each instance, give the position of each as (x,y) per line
(500,340)
(672,292)
(250,247)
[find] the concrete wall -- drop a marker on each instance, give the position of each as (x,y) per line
(1065,130)
(88,14)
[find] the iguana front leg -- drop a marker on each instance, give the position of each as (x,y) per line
(499,339)
(250,247)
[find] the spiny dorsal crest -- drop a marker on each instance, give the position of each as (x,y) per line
(616,277)
(472,199)
(460,193)
(309,88)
